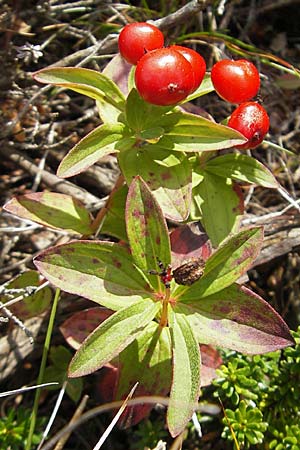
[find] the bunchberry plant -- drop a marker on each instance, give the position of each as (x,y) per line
(163,296)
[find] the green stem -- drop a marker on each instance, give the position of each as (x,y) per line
(42,369)
(164,315)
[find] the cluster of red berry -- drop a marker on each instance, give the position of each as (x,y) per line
(164,75)
(238,82)
(167,75)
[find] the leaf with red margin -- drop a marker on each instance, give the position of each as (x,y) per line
(88,82)
(147,360)
(225,265)
(58,211)
(187,242)
(210,361)
(98,270)
(146,228)
(100,142)
(78,326)
(238,319)
(31,305)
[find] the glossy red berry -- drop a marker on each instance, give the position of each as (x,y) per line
(235,81)
(252,120)
(197,62)
(138,38)
(164,77)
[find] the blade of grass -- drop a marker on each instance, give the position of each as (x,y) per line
(54,413)
(115,419)
(42,369)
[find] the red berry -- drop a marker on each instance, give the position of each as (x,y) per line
(164,77)
(138,38)
(235,81)
(252,120)
(197,62)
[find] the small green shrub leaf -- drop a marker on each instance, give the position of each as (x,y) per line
(186,374)
(239,319)
(192,133)
(100,271)
(58,211)
(85,81)
(168,175)
(226,265)
(241,167)
(218,203)
(147,360)
(146,228)
(111,337)
(90,149)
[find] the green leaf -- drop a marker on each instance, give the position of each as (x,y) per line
(226,265)
(114,220)
(146,228)
(241,167)
(85,81)
(147,360)
(168,175)
(205,88)
(192,133)
(186,374)
(108,113)
(100,271)
(236,318)
(90,149)
(219,205)
(112,336)
(58,211)
(141,115)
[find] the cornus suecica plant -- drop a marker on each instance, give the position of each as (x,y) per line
(162,295)
(159,323)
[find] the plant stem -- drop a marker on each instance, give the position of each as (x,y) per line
(42,369)
(164,315)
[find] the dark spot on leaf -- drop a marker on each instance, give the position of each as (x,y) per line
(117,263)
(224,309)
(95,261)
(157,240)
(166,176)
(149,203)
